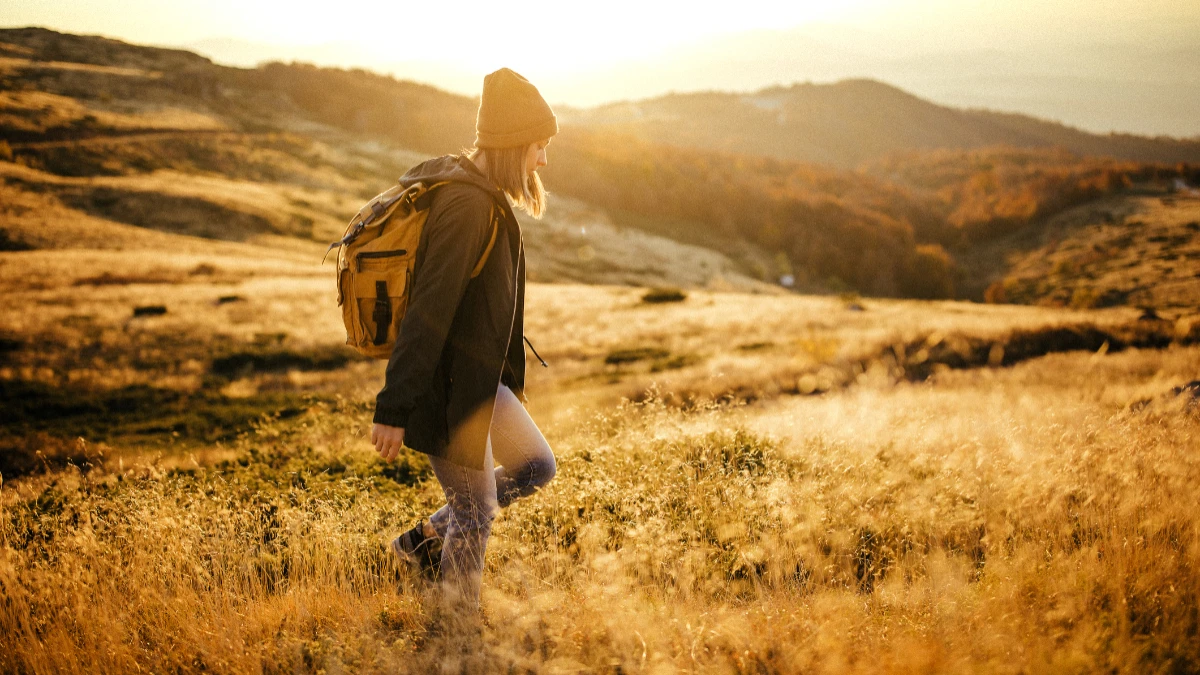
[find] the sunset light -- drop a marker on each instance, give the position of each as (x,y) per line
(473,337)
(1054,59)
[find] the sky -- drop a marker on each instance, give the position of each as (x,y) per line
(587,53)
(555,35)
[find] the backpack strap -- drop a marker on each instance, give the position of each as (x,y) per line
(378,207)
(491,243)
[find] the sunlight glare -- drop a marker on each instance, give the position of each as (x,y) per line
(549,37)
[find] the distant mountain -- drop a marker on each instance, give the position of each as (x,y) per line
(1151,86)
(1099,83)
(1144,86)
(851,122)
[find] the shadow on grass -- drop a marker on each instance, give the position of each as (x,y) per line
(268,360)
(41,422)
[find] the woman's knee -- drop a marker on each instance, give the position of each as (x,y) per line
(532,473)
(538,465)
(546,468)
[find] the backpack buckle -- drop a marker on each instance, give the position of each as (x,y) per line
(382,315)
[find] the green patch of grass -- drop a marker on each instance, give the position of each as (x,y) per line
(111,279)
(728,454)
(851,301)
(303,466)
(675,362)
(634,354)
(35,414)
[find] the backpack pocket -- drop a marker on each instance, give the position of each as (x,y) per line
(380,296)
(355,330)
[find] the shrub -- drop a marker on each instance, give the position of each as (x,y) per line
(661,295)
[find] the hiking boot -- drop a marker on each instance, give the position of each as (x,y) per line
(424,553)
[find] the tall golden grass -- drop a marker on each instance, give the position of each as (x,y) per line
(747,483)
(1034,518)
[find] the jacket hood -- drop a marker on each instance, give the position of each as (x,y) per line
(455,168)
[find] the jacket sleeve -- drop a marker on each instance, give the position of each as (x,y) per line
(454,238)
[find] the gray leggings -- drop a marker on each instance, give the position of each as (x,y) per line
(474,496)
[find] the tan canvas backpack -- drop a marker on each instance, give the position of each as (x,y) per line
(375,265)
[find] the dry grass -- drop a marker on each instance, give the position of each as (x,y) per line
(193,491)
(1033,518)
(1016,524)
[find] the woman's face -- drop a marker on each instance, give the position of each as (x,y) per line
(535,156)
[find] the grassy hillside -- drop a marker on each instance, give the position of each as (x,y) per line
(100,136)
(1142,251)
(904,226)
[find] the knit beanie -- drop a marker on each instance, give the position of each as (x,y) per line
(512,112)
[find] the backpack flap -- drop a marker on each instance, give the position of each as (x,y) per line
(379,292)
(378,210)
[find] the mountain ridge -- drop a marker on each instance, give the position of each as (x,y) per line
(843,120)
(1098,84)
(853,121)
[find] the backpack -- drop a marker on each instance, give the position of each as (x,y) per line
(375,265)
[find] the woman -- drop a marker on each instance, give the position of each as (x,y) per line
(458,366)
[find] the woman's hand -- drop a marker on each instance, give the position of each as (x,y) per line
(387,440)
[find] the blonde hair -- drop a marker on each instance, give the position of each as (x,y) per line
(505,167)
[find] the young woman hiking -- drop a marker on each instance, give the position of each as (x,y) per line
(457,371)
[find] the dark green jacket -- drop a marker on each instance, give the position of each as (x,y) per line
(461,336)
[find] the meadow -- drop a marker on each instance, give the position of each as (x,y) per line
(750,479)
(748,483)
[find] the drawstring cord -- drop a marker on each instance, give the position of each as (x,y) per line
(539,358)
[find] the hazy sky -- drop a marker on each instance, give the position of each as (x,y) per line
(541,34)
(538,33)
(588,52)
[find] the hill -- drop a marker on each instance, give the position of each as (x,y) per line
(853,121)
(101,135)
(1141,250)
(127,133)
